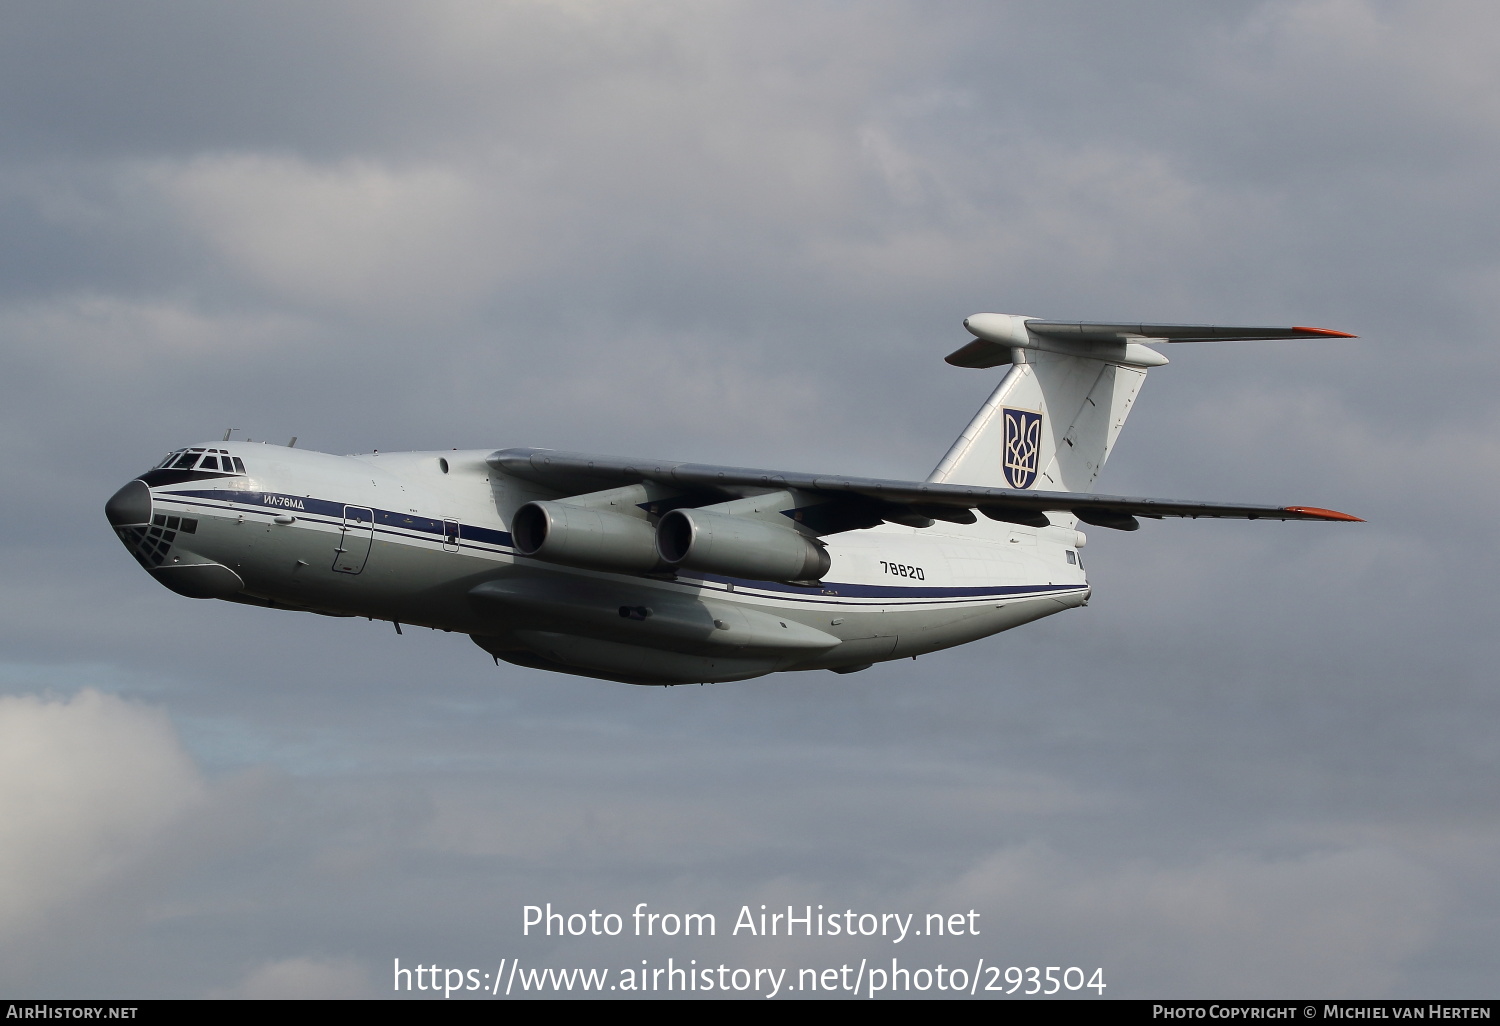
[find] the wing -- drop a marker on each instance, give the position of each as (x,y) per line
(839,503)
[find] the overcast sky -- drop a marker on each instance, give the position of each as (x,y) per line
(1262,762)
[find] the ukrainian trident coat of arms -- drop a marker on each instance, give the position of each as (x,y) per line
(1023,446)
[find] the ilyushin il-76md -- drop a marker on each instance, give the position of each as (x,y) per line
(647,571)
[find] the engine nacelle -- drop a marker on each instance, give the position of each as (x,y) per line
(738,546)
(578,536)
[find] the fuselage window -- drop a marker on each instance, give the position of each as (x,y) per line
(239,467)
(1072,557)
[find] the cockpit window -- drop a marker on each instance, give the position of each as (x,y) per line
(216,460)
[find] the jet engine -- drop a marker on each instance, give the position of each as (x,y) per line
(732,539)
(575,535)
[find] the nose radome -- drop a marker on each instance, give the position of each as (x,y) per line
(130,506)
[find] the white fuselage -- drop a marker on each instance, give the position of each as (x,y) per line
(424,539)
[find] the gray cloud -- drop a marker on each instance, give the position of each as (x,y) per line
(747,233)
(88,789)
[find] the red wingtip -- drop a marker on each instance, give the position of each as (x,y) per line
(1325,332)
(1323,514)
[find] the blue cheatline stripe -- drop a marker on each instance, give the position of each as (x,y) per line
(396,522)
(163,476)
(399,525)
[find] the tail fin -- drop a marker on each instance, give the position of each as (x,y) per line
(1054,418)
(1052,421)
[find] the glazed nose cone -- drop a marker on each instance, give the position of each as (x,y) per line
(130,506)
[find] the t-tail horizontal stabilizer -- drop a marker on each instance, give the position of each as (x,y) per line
(1069,385)
(996,335)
